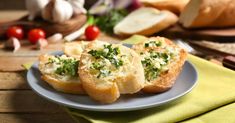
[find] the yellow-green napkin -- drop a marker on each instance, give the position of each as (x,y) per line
(212,100)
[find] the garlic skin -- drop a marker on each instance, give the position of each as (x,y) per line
(35,7)
(12,43)
(78,6)
(42,43)
(57,11)
(55,38)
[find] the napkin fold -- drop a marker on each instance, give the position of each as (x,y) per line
(212,100)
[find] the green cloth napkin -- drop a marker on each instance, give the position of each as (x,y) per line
(212,100)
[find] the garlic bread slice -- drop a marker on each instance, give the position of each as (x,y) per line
(108,70)
(61,73)
(162,61)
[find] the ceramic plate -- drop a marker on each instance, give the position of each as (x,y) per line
(184,84)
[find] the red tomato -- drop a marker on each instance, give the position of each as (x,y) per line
(15,31)
(35,34)
(92,32)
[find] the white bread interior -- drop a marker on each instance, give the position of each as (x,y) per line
(145,21)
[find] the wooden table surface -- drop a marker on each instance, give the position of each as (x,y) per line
(18,103)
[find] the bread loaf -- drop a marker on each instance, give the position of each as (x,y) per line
(145,21)
(175,6)
(208,13)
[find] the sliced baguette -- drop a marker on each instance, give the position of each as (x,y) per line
(74,49)
(208,13)
(145,21)
(59,82)
(166,78)
(175,6)
(127,79)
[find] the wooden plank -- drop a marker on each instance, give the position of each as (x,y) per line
(28,49)
(14,63)
(13,80)
(36,118)
(26,101)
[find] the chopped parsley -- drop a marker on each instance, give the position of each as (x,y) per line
(153,44)
(107,22)
(109,53)
(154,63)
(66,66)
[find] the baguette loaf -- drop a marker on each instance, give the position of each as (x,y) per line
(175,6)
(208,13)
(108,70)
(145,21)
(162,61)
(61,73)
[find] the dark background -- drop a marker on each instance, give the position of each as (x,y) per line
(20,4)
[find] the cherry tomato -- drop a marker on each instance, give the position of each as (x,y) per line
(15,31)
(92,32)
(35,34)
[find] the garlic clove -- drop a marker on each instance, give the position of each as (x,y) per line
(47,11)
(42,43)
(57,11)
(55,38)
(34,7)
(12,43)
(78,6)
(63,11)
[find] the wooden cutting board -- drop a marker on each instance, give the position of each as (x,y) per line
(213,34)
(50,28)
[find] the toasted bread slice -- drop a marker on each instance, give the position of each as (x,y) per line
(162,61)
(55,74)
(145,21)
(108,70)
(74,49)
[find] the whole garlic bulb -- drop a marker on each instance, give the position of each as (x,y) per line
(57,11)
(34,7)
(78,6)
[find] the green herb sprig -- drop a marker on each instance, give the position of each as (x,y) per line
(107,22)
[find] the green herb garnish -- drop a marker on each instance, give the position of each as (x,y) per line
(153,44)
(152,66)
(66,66)
(109,53)
(108,21)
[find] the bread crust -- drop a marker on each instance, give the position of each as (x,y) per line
(108,92)
(169,20)
(211,13)
(68,86)
(175,6)
(167,78)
